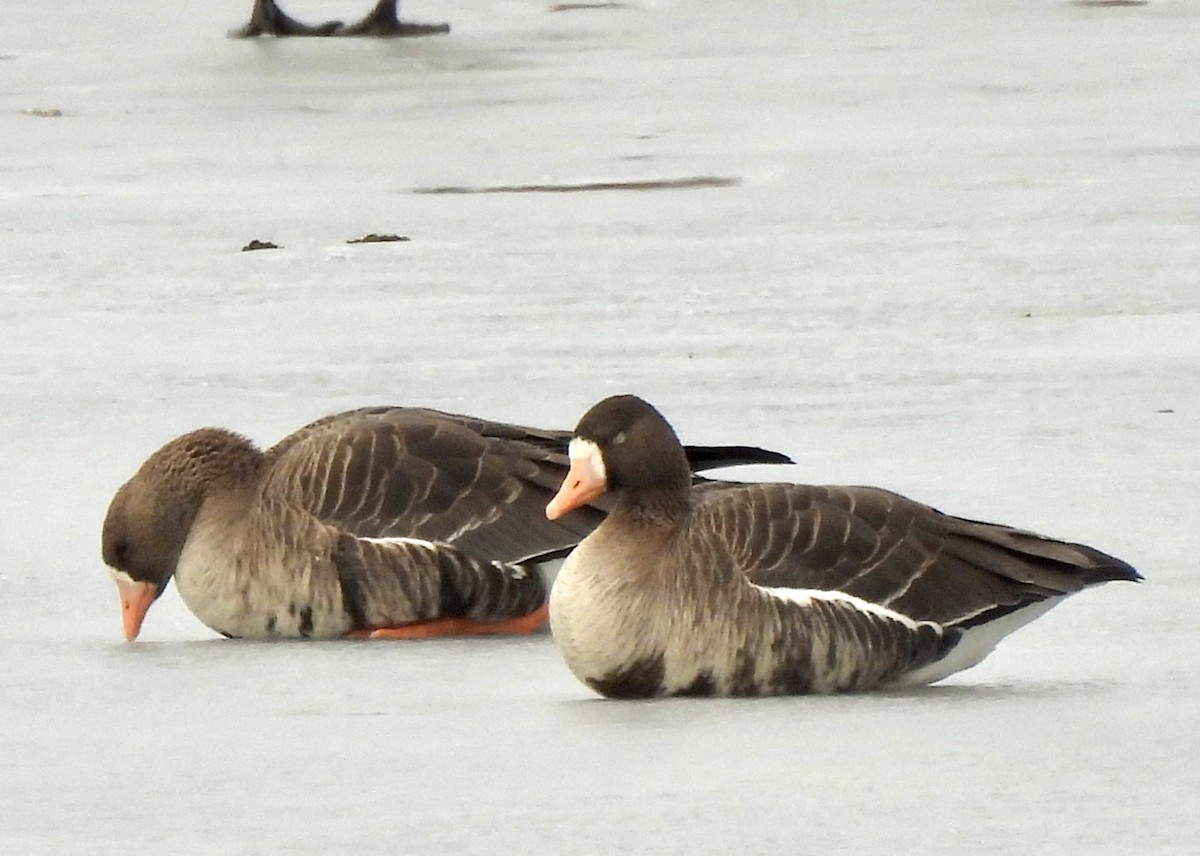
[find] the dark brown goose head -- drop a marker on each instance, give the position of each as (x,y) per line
(151,514)
(623,444)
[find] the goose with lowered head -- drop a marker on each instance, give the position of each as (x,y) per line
(384,521)
(769,589)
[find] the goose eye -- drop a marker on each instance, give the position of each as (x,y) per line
(117,554)
(619,438)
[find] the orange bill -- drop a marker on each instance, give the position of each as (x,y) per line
(135,601)
(580,487)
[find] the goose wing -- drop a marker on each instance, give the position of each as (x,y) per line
(391,472)
(895,552)
(419,473)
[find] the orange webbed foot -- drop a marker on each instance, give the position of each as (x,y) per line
(438,627)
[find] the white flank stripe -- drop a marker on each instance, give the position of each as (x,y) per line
(416,542)
(804,597)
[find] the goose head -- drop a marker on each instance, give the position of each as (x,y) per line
(150,516)
(622,444)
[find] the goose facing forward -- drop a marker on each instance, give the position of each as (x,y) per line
(389,521)
(769,589)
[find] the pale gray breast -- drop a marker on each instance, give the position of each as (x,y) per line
(261,571)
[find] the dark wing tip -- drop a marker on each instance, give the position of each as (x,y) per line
(712,457)
(1089,565)
(1111,569)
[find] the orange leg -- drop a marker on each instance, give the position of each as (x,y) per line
(436,627)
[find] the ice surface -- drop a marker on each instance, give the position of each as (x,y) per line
(959,259)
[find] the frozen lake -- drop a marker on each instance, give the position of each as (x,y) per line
(947,248)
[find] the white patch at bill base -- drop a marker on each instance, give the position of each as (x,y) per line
(587,451)
(121,578)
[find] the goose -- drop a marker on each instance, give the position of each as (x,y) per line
(731,589)
(266,18)
(390,522)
